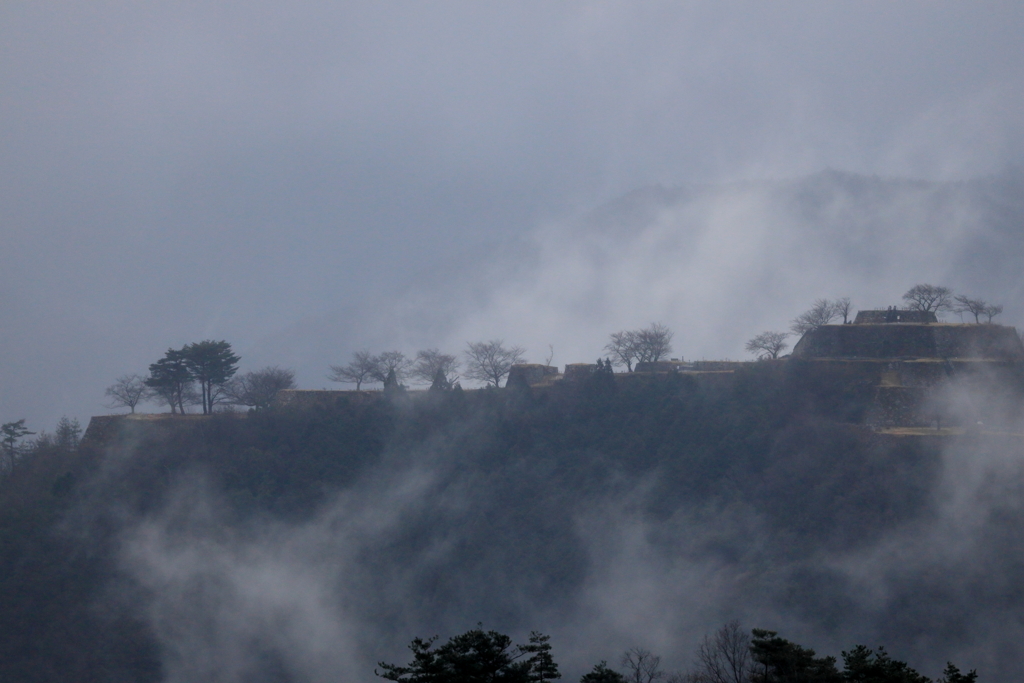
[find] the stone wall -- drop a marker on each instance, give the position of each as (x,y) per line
(662,366)
(894,315)
(531,374)
(713,380)
(899,407)
(910,392)
(691,366)
(911,340)
(306,398)
(103,429)
(575,372)
(720,365)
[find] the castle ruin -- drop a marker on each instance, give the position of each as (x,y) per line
(910,359)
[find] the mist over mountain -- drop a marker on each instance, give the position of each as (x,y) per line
(309,544)
(298,182)
(717,263)
(721,263)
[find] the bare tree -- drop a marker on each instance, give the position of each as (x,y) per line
(843,308)
(178,398)
(641,666)
(768,344)
(360,370)
(259,388)
(623,348)
(640,346)
(128,391)
(929,298)
(430,362)
(165,395)
(441,382)
(975,307)
(822,312)
(992,311)
(724,657)
(391,363)
(653,343)
(490,361)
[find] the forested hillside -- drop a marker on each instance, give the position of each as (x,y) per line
(295,545)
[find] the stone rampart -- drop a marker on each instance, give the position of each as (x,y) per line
(101,429)
(894,315)
(310,398)
(898,407)
(662,366)
(531,374)
(719,365)
(104,429)
(911,340)
(575,372)
(713,380)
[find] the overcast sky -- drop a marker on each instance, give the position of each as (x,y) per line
(270,172)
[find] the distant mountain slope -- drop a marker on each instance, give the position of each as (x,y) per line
(722,263)
(971,232)
(307,545)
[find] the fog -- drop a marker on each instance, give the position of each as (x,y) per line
(292,178)
(919,554)
(305,180)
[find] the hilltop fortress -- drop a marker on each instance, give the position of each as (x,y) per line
(902,364)
(897,368)
(916,366)
(910,335)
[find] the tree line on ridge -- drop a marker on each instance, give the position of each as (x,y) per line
(730,655)
(923,297)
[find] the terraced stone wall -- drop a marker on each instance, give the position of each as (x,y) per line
(911,340)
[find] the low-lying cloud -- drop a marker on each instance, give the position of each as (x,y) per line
(434,538)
